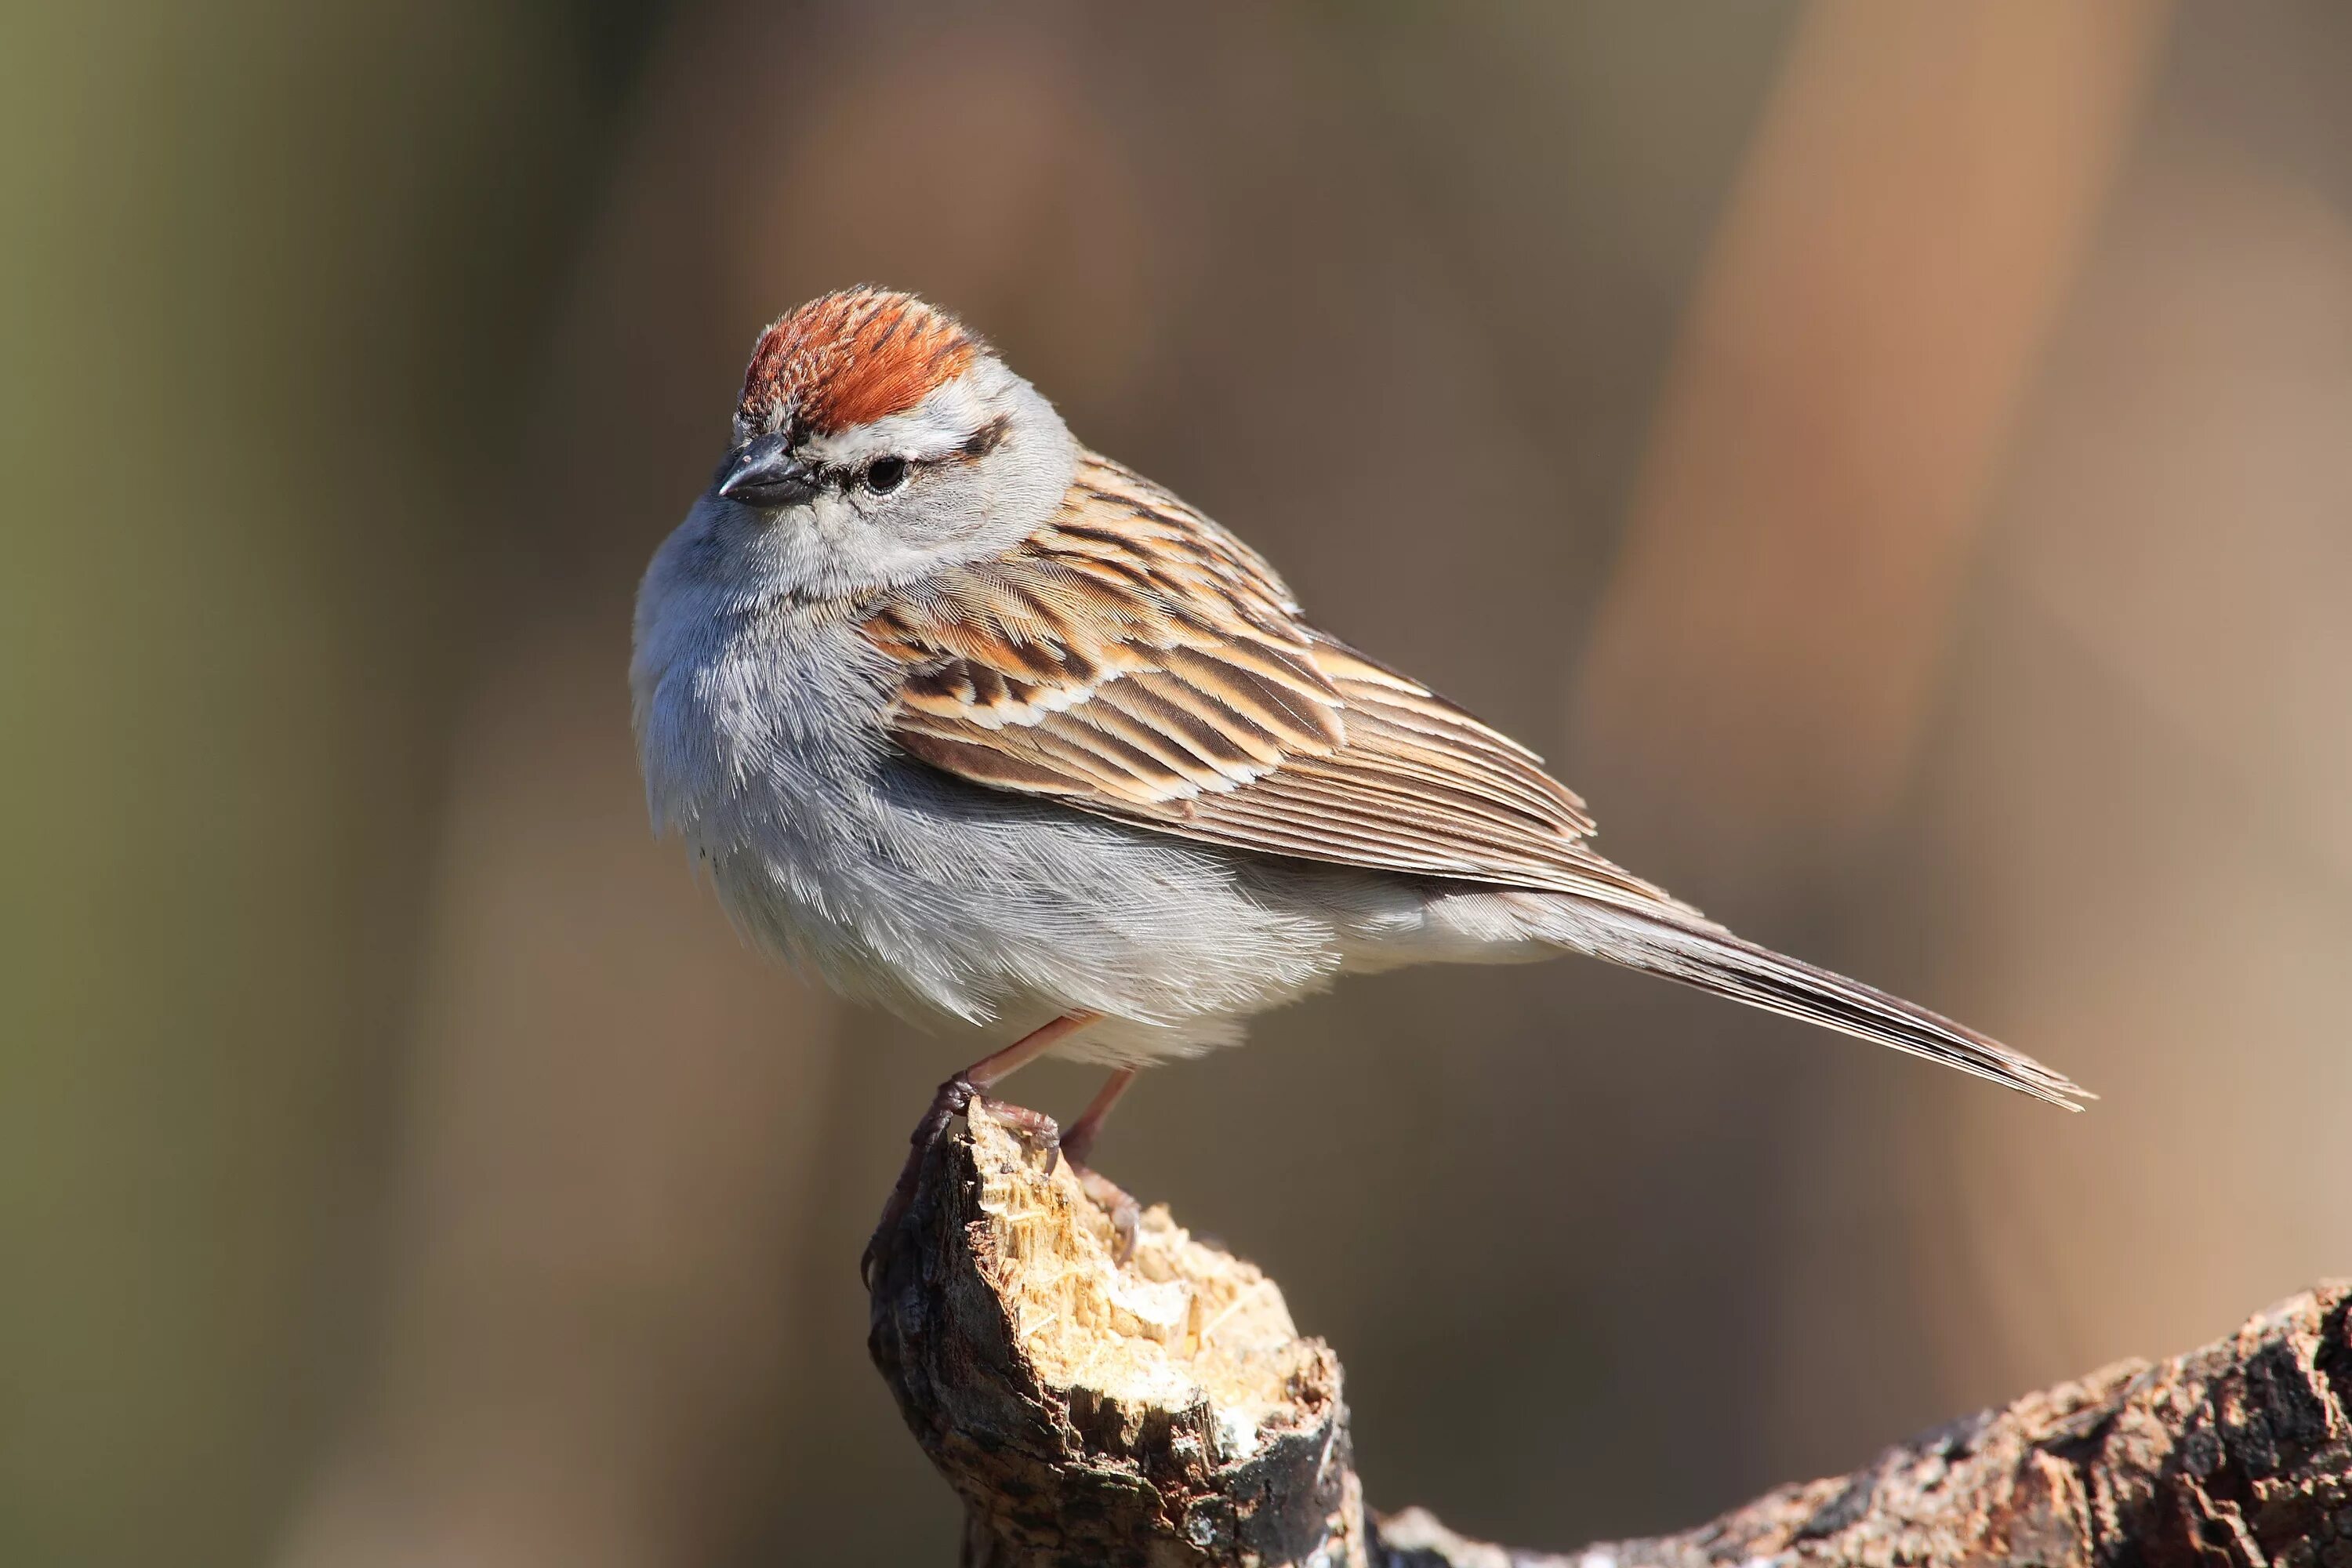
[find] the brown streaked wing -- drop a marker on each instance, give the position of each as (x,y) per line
(1136,660)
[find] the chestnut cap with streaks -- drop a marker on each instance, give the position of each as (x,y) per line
(849,358)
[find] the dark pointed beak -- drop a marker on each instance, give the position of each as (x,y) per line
(766,474)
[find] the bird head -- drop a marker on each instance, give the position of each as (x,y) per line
(877,438)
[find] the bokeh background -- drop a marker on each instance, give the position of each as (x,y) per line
(1894,457)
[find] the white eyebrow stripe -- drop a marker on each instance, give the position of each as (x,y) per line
(935,428)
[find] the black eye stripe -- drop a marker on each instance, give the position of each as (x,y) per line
(843,475)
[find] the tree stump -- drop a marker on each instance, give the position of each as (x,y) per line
(1163,1412)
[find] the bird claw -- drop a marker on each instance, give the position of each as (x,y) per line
(1038,1132)
(956,1096)
(1125,1213)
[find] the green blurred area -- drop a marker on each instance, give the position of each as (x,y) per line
(277,277)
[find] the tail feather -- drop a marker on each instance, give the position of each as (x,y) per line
(1683,945)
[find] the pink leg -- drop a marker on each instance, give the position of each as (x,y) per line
(1078,1144)
(992,1070)
(954,1097)
(1079,1140)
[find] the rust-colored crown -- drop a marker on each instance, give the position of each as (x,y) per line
(849,358)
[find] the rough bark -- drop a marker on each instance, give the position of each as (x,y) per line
(1164,1411)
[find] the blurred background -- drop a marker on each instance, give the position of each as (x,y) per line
(1895,465)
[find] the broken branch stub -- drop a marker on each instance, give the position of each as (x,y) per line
(1166,1412)
(1161,1412)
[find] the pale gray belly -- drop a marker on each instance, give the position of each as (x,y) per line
(942,900)
(933,896)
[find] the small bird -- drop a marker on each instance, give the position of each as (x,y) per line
(980,725)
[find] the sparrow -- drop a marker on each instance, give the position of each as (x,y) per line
(986,728)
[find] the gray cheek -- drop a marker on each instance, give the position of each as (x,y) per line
(833,515)
(829,543)
(926,512)
(937,507)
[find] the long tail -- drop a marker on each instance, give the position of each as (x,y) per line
(1683,945)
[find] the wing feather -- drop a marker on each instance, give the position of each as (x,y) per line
(1134,659)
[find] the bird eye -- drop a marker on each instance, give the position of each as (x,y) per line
(886,474)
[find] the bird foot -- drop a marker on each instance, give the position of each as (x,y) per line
(1038,1132)
(1115,1201)
(955,1098)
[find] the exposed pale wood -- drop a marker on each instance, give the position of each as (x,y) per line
(1165,1411)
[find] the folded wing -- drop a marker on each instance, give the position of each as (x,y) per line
(1136,660)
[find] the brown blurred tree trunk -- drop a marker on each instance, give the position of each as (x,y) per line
(1907,222)
(1165,1411)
